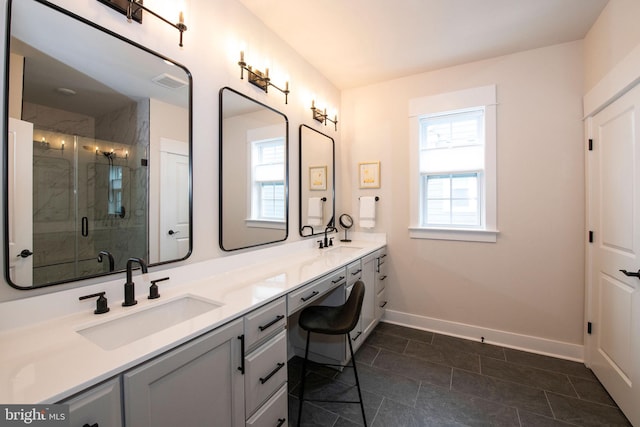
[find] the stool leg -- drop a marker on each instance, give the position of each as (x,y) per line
(304,374)
(355,373)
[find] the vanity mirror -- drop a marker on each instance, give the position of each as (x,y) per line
(254,196)
(317,181)
(98,156)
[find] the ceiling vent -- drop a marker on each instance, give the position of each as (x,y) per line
(169,81)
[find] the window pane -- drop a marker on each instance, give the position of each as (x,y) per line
(451,200)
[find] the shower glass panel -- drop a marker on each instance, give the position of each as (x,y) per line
(89,196)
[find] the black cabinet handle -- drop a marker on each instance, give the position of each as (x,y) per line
(281,422)
(241,367)
(357,336)
(85,226)
(273,322)
(355,273)
(383,304)
(338,280)
(272,373)
(92,425)
(313,294)
(383,277)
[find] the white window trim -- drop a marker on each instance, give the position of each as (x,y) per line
(459,100)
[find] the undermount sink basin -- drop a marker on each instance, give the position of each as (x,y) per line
(127,329)
(343,250)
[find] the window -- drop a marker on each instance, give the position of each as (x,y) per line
(453,194)
(267,181)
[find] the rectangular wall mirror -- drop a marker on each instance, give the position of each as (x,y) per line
(254,178)
(97,151)
(317,181)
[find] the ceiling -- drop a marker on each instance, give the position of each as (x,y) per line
(359,42)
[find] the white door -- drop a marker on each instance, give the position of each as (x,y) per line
(20,185)
(174,200)
(613,348)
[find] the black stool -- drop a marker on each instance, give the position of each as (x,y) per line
(329,320)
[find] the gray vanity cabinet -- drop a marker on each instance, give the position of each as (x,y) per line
(369,269)
(197,384)
(98,406)
(381,283)
(265,362)
(354,273)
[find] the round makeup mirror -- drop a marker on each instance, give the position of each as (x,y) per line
(346,222)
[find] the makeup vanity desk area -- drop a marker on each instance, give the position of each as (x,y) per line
(47,356)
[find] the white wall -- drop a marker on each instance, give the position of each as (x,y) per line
(217,30)
(611,38)
(530,282)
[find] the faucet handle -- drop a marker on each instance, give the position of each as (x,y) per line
(101,303)
(320,245)
(153,289)
(330,241)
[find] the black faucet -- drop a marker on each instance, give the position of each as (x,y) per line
(129,286)
(111,262)
(328,243)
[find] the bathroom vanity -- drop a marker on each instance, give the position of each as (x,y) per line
(227,329)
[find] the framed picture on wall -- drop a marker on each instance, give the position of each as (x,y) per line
(318,178)
(369,174)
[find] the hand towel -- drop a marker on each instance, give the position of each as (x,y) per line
(315,212)
(367,212)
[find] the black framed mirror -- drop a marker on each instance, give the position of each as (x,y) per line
(254,172)
(97,161)
(317,181)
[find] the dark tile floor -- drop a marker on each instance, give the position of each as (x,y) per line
(417,378)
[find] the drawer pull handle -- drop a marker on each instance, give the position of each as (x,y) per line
(92,425)
(338,280)
(272,373)
(281,422)
(357,336)
(313,294)
(383,304)
(355,273)
(241,367)
(383,277)
(273,322)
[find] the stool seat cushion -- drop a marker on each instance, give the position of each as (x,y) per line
(334,320)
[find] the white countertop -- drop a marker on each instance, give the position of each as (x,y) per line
(44,359)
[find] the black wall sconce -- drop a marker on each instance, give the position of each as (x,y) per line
(260,79)
(322,116)
(133,10)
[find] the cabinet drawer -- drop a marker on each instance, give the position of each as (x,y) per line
(312,291)
(264,322)
(381,304)
(354,272)
(99,405)
(273,413)
(265,371)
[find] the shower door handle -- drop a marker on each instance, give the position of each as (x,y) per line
(85,226)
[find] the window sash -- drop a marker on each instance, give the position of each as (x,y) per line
(452,200)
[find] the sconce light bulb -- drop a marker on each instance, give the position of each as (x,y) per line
(242,56)
(181,18)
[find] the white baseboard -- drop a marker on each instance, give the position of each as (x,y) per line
(528,343)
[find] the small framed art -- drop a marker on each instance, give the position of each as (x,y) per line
(369,174)
(318,178)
